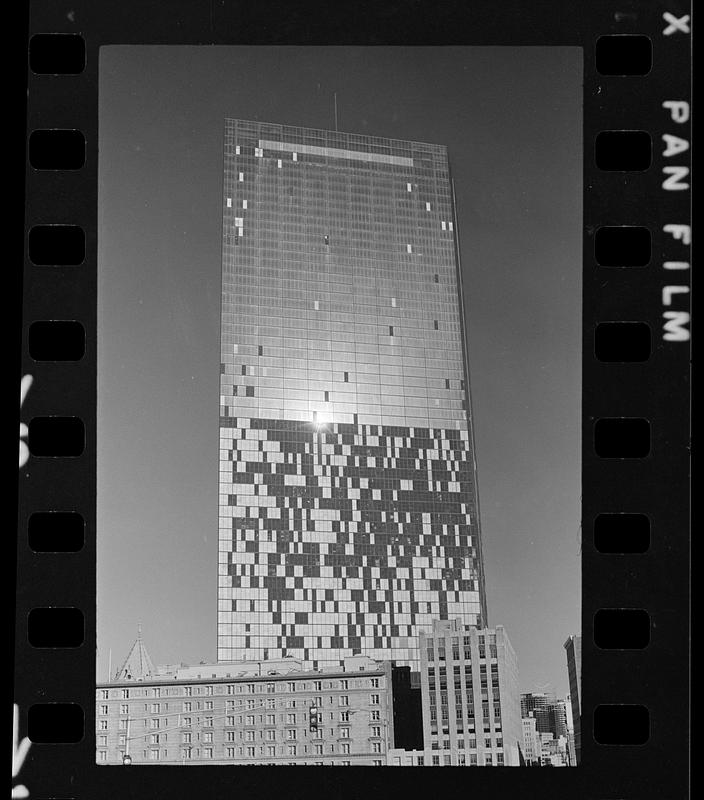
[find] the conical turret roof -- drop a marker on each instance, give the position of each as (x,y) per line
(138,665)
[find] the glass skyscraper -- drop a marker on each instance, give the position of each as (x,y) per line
(348,501)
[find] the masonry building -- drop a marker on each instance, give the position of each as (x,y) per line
(471,704)
(255,713)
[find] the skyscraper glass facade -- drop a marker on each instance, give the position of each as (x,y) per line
(348,502)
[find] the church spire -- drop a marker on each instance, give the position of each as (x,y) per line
(138,665)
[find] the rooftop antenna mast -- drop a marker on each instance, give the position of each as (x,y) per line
(335,100)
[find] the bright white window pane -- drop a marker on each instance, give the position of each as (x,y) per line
(229,202)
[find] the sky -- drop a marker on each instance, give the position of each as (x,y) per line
(511,118)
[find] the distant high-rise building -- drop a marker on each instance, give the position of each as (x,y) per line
(531,740)
(549,712)
(349,516)
(539,705)
(471,705)
(573,648)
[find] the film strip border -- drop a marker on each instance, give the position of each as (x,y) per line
(635,411)
(635,414)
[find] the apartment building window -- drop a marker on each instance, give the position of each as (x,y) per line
(375,714)
(374,699)
(103,725)
(104,694)
(102,755)
(208,736)
(208,705)
(290,719)
(292,749)
(230,752)
(292,687)
(318,748)
(270,688)
(249,719)
(188,691)
(187,721)
(124,709)
(376,747)
(344,684)
(344,733)
(125,694)
(251,751)
(103,709)
(344,716)
(318,686)
(374,683)
(376,731)
(271,735)
(155,708)
(436,760)
(271,719)
(230,721)
(345,748)
(271,751)
(103,741)
(291,733)
(186,737)
(249,736)
(377,762)
(343,700)
(122,724)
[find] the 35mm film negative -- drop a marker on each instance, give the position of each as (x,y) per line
(398,197)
